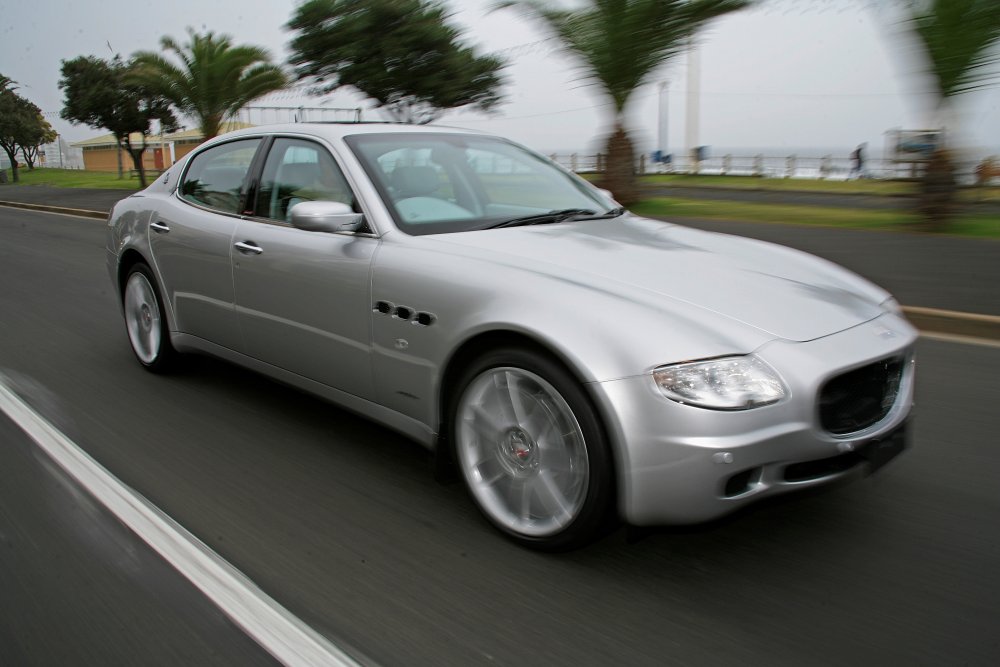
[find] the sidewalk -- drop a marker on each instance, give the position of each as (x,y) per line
(950,285)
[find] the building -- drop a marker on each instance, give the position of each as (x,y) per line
(101,153)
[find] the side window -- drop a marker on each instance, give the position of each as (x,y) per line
(298,171)
(216,177)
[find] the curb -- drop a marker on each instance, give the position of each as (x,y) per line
(967,326)
(57,209)
(954,323)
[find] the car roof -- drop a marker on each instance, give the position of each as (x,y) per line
(339,130)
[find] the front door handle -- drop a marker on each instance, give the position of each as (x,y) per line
(248,248)
(159,227)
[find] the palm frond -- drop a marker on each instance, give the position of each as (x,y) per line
(620,43)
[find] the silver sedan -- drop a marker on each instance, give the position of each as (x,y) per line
(575,363)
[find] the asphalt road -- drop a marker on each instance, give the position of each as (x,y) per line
(78,588)
(341,521)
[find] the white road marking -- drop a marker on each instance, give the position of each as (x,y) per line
(276,629)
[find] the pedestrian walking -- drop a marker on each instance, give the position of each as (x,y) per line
(857,162)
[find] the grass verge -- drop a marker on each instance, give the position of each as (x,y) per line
(856,187)
(74,178)
(978,225)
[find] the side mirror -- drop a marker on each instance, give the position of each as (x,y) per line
(325,216)
(608,194)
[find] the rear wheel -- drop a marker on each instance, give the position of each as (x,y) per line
(531,450)
(146,322)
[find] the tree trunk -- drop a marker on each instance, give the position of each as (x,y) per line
(619,172)
(13,163)
(210,127)
(938,190)
(118,154)
(136,154)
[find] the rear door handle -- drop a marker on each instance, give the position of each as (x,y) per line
(159,227)
(248,248)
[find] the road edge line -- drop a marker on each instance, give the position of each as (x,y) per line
(279,632)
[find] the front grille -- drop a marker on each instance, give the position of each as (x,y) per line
(855,400)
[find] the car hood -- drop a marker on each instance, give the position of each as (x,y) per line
(780,291)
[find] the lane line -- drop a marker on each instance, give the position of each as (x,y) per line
(287,638)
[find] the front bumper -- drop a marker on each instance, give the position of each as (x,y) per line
(680,464)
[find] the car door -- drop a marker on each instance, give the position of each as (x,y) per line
(191,242)
(303,298)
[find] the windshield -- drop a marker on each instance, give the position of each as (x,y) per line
(436,183)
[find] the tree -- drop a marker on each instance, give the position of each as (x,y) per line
(22,126)
(214,79)
(103,94)
(41,133)
(959,38)
(401,53)
(619,44)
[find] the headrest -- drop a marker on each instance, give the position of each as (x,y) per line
(415,181)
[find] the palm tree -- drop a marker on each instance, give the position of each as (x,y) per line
(958,37)
(619,44)
(214,79)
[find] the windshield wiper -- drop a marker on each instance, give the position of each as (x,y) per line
(547,218)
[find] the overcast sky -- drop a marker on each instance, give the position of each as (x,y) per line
(790,74)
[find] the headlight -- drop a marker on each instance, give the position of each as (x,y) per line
(890,305)
(729,383)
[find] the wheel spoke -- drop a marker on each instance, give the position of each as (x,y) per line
(525,503)
(484,423)
(140,304)
(514,398)
(522,451)
(552,498)
(489,471)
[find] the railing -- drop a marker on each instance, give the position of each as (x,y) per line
(769,166)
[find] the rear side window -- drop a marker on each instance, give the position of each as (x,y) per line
(217,177)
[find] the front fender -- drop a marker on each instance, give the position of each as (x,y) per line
(600,334)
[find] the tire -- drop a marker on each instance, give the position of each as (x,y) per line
(531,451)
(146,322)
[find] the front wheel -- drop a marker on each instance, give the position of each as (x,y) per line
(146,322)
(531,450)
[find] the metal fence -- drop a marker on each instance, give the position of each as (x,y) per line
(832,167)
